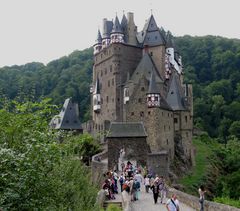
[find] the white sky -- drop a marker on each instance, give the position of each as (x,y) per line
(43,30)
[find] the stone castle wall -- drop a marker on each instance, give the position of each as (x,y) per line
(135,149)
(99,167)
(111,66)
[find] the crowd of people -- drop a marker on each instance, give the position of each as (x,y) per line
(131,180)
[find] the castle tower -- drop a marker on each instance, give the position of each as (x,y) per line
(98,45)
(132,30)
(153,94)
(107,28)
(154,43)
(117,33)
(173,55)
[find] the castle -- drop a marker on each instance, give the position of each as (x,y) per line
(138,94)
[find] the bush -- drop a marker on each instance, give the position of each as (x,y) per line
(113,207)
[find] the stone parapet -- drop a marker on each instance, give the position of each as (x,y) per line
(193,202)
(99,167)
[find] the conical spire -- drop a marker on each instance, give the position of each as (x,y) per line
(97,87)
(175,96)
(169,39)
(117,27)
(99,37)
(124,22)
(152,85)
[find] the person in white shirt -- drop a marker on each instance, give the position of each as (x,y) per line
(147,183)
(173,203)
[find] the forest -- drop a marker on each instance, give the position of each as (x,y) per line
(211,64)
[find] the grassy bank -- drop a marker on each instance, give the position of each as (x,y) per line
(194,179)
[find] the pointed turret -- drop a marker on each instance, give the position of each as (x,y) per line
(117,33)
(68,118)
(151,35)
(116,26)
(153,95)
(175,95)
(98,44)
(124,22)
(97,97)
(99,37)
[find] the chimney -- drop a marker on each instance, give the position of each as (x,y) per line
(130,17)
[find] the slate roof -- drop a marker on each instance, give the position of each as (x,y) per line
(107,28)
(145,68)
(126,129)
(175,95)
(99,37)
(150,34)
(116,26)
(164,104)
(68,117)
(153,89)
(124,22)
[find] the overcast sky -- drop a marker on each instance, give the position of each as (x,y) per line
(43,30)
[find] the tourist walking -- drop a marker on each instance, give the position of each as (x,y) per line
(121,181)
(155,189)
(146,183)
(163,191)
(201,192)
(173,203)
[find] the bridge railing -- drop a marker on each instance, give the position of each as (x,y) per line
(99,167)
(193,202)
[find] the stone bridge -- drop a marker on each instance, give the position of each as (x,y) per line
(145,202)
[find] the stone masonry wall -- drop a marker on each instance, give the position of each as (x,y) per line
(135,149)
(111,66)
(158,55)
(99,167)
(157,122)
(158,163)
(193,202)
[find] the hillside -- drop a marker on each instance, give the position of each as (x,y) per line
(211,64)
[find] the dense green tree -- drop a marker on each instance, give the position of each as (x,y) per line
(36,171)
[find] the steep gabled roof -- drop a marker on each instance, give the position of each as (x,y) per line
(99,37)
(145,67)
(126,129)
(116,26)
(124,22)
(150,34)
(68,117)
(175,96)
(153,89)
